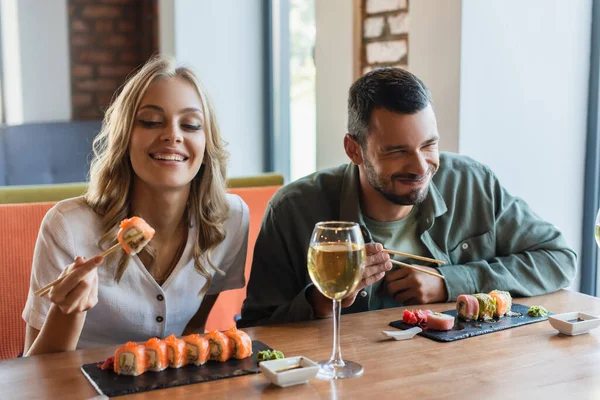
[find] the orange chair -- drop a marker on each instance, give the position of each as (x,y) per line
(19,225)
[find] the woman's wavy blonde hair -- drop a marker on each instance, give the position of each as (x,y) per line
(111,173)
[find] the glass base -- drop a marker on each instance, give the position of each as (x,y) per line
(328,370)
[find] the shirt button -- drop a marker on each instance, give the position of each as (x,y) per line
(363,293)
(427,220)
(465,246)
(160,297)
(159,319)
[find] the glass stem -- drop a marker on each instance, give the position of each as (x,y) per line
(336,355)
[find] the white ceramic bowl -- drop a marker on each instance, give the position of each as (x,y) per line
(278,373)
(574,323)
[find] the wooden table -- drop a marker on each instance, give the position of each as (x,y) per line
(531,361)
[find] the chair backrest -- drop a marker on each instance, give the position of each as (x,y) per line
(18,194)
(18,233)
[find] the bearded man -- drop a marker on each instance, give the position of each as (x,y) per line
(406,196)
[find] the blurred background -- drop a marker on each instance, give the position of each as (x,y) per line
(515,85)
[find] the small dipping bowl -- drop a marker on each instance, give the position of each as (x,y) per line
(289,371)
(574,323)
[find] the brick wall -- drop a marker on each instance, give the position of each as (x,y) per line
(108,40)
(384,34)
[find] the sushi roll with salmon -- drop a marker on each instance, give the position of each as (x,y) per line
(487,306)
(197,349)
(134,227)
(503,302)
(467,307)
(440,322)
(220,346)
(130,359)
(176,351)
(156,354)
(241,344)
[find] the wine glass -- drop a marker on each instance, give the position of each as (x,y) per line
(597,229)
(336,261)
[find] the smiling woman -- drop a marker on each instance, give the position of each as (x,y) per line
(159,156)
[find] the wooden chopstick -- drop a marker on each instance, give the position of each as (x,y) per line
(46,289)
(417,269)
(399,253)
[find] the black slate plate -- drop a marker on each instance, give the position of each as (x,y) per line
(110,384)
(471,330)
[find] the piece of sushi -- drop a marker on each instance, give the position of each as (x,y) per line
(487,306)
(241,344)
(440,322)
(467,307)
(133,227)
(220,346)
(197,349)
(503,302)
(176,351)
(130,359)
(156,354)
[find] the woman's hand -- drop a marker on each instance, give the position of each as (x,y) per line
(78,292)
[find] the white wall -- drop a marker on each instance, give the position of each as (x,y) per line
(434,56)
(523,106)
(223,42)
(334,58)
(36,61)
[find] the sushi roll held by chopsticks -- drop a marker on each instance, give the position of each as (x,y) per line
(134,233)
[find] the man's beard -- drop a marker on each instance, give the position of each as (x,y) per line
(414,197)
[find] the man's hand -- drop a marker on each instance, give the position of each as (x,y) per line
(376,265)
(411,287)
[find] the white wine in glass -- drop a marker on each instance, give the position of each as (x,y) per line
(597,229)
(336,262)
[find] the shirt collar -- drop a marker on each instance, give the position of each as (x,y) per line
(432,207)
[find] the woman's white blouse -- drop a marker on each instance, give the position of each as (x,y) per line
(137,308)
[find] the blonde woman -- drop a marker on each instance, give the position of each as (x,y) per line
(159,156)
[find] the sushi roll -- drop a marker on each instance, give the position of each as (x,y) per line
(440,322)
(156,354)
(133,227)
(467,307)
(503,302)
(197,349)
(130,359)
(220,346)
(176,351)
(487,306)
(241,344)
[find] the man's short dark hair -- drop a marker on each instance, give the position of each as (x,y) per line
(393,89)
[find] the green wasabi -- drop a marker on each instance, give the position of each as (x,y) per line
(269,355)
(537,311)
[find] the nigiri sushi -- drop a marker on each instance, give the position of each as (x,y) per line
(220,346)
(130,359)
(197,349)
(156,354)
(487,306)
(467,307)
(241,344)
(176,351)
(440,322)
(503,302)
(133,227)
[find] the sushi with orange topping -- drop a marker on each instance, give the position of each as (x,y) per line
(503,302)
(130,359)
(197,349)
(220,346)
(156,354)
(241,344)
(138,229)
(176,351)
